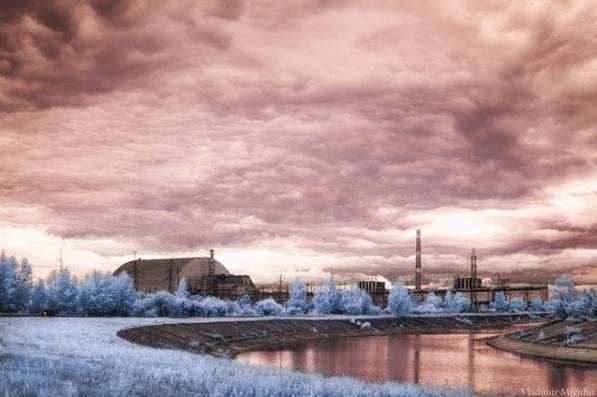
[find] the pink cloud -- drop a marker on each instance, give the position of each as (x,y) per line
(326,124)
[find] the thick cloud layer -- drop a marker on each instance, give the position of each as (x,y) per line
(329,131)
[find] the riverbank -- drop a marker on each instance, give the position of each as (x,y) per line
(82,356)
(229,338)
(548,342)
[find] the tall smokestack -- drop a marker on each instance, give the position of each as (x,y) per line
(474,278)
(418,263)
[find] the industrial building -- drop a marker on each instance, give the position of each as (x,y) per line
(471,287)
(207,276)
(371,285)
(486,295)
(376,290)
(204,275)
(461,283)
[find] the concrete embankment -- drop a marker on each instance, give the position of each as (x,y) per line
(548,342)
(230,337)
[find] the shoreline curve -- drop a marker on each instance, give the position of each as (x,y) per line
(548,343)
(231,337)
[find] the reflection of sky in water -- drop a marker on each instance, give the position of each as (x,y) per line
(437,360)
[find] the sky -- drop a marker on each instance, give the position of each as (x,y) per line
(303,138)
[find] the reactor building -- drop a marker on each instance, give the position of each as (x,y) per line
(204,275)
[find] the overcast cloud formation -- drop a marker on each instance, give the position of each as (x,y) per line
(303,137)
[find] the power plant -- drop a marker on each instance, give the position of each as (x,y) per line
(207,276)
(472,287)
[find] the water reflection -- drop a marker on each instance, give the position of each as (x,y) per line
(453,360)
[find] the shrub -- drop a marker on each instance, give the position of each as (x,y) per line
(459,304)
(517,305)
(431,305)
(499,303)
(268,307)
(537,305)
(356,301)
(572,336)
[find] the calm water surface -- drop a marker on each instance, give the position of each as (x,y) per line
(452,360)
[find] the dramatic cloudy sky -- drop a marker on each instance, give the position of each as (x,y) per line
(306,138)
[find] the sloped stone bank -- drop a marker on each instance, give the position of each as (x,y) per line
(231,337)
(548,342)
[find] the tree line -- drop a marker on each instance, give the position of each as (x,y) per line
(106,295)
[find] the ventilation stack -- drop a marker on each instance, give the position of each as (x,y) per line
(212,263)
(474,278)
(418,263)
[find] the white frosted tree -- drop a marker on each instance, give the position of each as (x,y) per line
(460,303)
(432,304)
(356,301)
(326,299)
(400,300)
(38,297)
(124,294)
(183,290)
(106,295)
(537,305)
(297,298)
(563,293)
(24,285)
(447,302)
(268,307)
(8,284)
(563,289)
(15,284)
(94,297)
(499,304)
(582,307)
(456,303)
(517,304)
(245,306)
(62,292)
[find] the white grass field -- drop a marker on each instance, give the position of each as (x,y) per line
(84,357)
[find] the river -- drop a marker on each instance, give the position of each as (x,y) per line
(445,360)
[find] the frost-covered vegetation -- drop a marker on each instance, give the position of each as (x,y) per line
(572,336)
(402,301)
(106,295)
(565,302)
(84,357)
